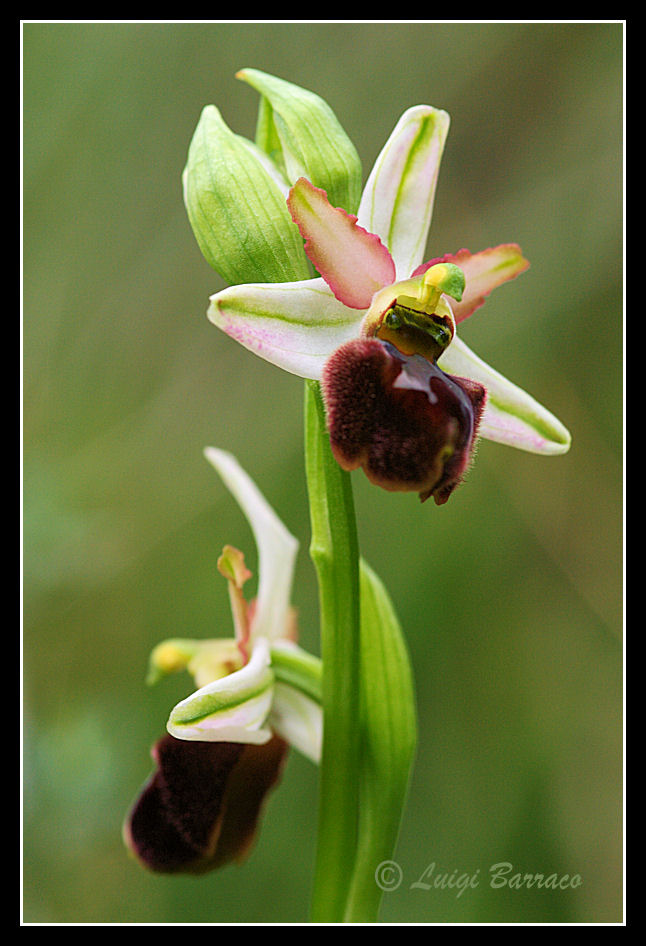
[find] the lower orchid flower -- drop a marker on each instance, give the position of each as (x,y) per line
(377,327)
(258,692)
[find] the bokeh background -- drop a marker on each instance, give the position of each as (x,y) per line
(510,596)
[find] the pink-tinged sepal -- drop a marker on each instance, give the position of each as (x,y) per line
(483,272)
(511,415)
(354,263)
(409,426)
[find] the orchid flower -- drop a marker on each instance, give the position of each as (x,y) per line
(377,326)
(257,692)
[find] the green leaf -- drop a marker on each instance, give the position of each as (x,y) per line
(388,742)
(237,209)
(299,130)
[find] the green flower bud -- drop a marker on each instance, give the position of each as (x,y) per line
(301,133)
(237,209)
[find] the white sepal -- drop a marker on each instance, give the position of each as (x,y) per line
(298,719)
(295,325)
(397,201)
(231,709)
(277,547)
(511,416)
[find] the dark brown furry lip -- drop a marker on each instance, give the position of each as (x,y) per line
(408,424)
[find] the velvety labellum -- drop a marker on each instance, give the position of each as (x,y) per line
(410,426)
(200,807)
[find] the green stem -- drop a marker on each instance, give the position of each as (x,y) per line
(335,553)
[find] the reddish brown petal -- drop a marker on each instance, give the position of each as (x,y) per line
(200,808)
(408,424)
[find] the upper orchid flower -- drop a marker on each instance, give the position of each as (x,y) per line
(257,692)
(378,326)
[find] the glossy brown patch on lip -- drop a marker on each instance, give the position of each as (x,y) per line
(407,423)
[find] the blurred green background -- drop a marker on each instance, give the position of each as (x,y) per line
(510,595)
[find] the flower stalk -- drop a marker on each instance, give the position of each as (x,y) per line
(334,551)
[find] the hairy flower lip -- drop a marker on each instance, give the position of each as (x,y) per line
(409,426)
(201,806)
